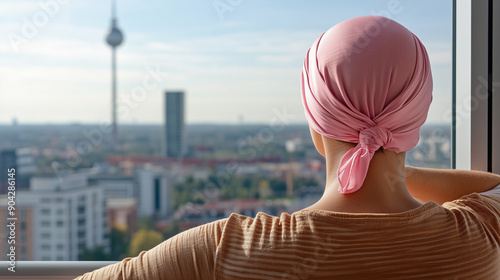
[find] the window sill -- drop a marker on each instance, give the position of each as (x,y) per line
(49,269)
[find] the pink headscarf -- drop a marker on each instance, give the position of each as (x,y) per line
(367,80)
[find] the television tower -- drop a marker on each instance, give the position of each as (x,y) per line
(114,39)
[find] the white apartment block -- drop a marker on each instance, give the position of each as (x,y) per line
(115,186)
(155,190)
(68,216)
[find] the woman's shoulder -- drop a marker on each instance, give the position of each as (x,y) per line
(260,221)
(485,205)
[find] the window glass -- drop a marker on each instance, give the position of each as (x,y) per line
(208,110)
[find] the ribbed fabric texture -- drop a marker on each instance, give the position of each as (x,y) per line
(459,240)
(189,255)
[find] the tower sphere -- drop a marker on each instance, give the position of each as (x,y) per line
(115,36)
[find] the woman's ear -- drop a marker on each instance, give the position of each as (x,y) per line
(318,141)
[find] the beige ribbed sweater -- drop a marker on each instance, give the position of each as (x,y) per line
(459,240)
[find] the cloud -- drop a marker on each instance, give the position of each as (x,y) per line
(440,58)
(18,8)
(64,73)
(266,41)
(439,52)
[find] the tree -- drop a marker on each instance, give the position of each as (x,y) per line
(95,254)
(144,240)
(264,189)
(171,230)
(278,187)
(146,223)
(302,182)
(119,239)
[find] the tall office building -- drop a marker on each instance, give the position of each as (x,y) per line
(174,143)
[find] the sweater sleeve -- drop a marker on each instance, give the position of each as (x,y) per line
(188,255)
(485,208)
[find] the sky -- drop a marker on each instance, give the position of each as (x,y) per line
(239,61)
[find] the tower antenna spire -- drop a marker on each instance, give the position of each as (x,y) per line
(113,9)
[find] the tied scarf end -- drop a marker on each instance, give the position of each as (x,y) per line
(353,169)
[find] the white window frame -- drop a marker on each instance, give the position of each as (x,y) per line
(476,85)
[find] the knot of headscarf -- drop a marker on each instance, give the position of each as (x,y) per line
(372,138)
(368,81)
(358,158)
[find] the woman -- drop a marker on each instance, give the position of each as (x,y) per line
(366,90)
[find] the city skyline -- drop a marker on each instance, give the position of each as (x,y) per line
(237,61)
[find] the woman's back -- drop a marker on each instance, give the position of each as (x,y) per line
(458,240)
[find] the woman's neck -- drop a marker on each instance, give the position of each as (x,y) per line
(383,191)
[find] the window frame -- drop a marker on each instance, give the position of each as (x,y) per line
(476,75)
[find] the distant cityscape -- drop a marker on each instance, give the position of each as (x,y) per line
(78,197)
